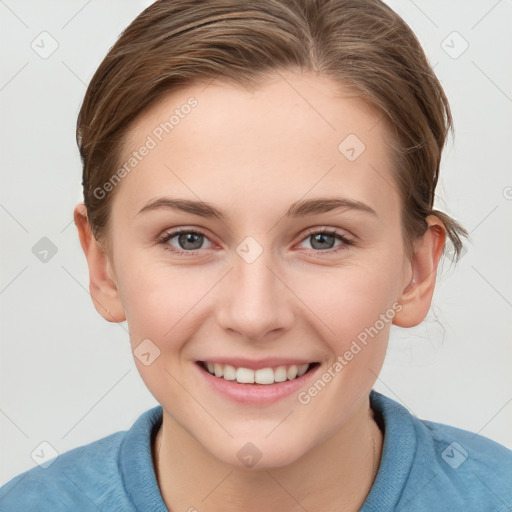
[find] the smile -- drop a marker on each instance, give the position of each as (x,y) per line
(256,383)
(266,376)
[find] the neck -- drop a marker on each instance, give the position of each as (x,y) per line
(336,475)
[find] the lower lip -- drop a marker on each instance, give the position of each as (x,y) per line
(256,394)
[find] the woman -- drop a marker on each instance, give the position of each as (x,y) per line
(259,183)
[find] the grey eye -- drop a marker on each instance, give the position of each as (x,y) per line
(322,241)
(190,241)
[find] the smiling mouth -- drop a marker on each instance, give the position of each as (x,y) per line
(264,376)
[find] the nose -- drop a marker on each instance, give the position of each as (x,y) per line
(255,302)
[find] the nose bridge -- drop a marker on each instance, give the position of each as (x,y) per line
(256,301)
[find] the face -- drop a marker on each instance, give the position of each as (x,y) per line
(289,253)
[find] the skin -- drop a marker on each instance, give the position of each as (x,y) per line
(252,153)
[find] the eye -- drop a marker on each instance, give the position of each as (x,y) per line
(189,241)
(323,240)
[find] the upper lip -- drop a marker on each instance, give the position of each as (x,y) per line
(256,364)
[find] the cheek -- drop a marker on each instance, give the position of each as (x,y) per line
(348,300)
(162,310)
(163,302)
(356,308)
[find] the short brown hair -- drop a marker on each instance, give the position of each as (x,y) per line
(362,44)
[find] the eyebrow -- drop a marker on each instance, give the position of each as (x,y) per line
(298,209)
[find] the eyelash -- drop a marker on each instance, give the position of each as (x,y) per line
(325,231)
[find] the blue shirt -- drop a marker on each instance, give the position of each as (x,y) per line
(425,466)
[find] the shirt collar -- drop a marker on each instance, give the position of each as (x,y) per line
(136,462)
(400,443)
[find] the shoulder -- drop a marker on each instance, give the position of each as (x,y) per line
(465,469)
(434,466)
(85,478)
(67,481)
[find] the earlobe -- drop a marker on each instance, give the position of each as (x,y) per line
(417,295)
(102,281)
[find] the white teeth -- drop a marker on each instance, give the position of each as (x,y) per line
(280,374)
(229,372)
(218,370)
(302,369)
(291,373)
(261,376)
(245,375)
(264,376)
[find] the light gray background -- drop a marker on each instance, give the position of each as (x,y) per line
(68,377)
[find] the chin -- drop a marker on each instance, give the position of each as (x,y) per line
(259,454)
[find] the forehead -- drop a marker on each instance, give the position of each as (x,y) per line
(298,135)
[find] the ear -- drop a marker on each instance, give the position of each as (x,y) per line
(417,295)
(102,280)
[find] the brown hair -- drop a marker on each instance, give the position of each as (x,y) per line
(362,44)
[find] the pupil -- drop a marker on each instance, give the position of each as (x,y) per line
(190,238)
(320,237)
